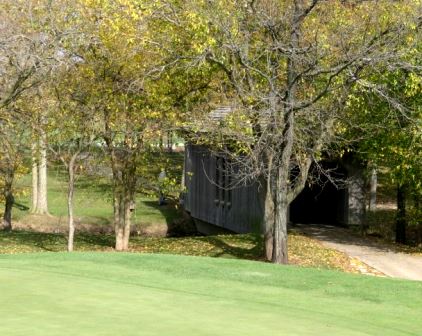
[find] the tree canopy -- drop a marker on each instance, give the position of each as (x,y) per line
(301,78)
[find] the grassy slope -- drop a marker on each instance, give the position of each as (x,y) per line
(129,294)
(93,203)
(302,250)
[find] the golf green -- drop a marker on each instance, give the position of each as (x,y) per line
(131,294)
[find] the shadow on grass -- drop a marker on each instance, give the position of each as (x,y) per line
(229,246)
(20,206)
(178,223)
(45,241)
(96,239)
(103,223)
(95,185)
(20,241)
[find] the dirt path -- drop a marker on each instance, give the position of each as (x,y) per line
(374,254)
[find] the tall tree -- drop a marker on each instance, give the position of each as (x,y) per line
(30,45)
(73,130)
(292,65)
(392,138)
(37,111)
(32,40)
(120,77)
(13,139)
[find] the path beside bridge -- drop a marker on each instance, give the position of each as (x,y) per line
(376,255)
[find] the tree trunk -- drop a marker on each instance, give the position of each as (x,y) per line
(268,222)
(401,222)
(282,188)
(9,200)
(70,194)
(34,178)
(127,222)
(169,141)
(373,191)
(123,165)
(42,205)
(118,199)
(129,187)
(281,207)
(118,221)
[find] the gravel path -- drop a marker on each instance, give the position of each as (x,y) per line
(374,254)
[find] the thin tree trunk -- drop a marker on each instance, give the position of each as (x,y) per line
(169,141)
(127,223)
(118,221)
(118,202)
(34,178)
(70,194)
(118,208)
(268,205)
(268,227)
(42,205)
(401,222)
(373,190)
(281,207)
(183,178)
(9,200)
(130,187)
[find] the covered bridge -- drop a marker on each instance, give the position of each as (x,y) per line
(216,208)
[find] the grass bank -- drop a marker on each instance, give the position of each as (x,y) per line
(303,250)
(132,294)
(92,205)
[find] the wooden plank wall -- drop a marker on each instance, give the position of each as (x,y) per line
(242,214)
(243,211)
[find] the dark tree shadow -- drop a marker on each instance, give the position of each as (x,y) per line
(103,240)
(44,241)
(55,242)
(20,206)
(179,223)
(226,249)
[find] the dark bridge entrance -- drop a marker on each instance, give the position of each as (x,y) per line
(322,203)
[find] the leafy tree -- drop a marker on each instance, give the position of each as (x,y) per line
(33,36)
(13,139)
(35,106)
(73,132)
(120,76)
(392,137)
(30,45)
(292,65)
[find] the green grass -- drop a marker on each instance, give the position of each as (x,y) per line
(131,294)
(303,250)
(93,203)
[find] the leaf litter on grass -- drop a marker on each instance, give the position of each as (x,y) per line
(303,251)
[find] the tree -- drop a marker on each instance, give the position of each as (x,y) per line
(119,75)
(393,135)
(292,65)
(32,40)
(13,138)
(72,134)
(35,107)
(30,45)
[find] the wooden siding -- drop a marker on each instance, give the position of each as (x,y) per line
(239,210)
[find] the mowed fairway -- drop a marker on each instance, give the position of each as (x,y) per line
(131,294)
